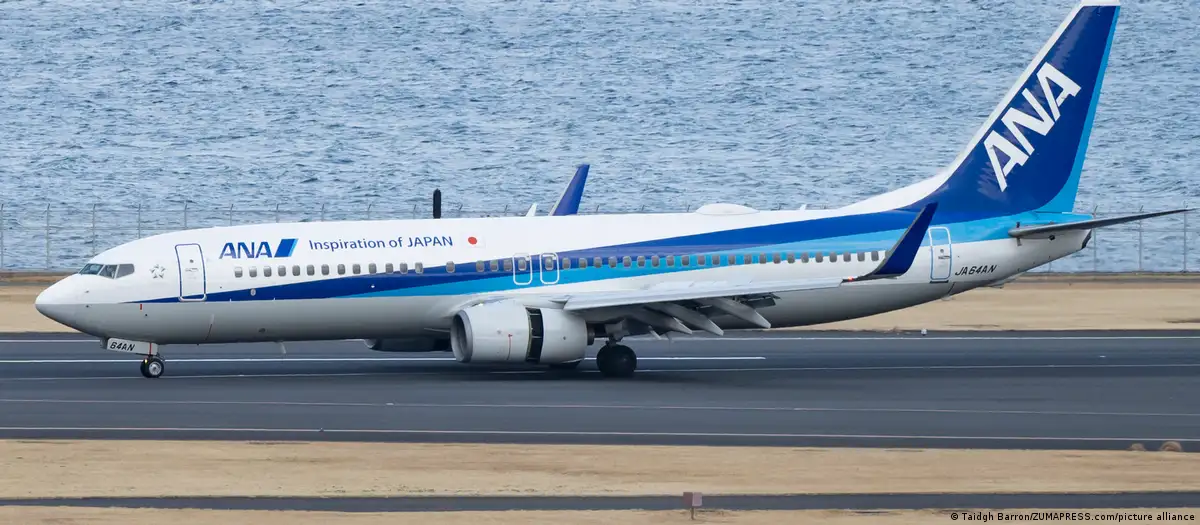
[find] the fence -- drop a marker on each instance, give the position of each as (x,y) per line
(51,238)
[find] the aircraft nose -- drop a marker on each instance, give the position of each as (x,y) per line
(56,302)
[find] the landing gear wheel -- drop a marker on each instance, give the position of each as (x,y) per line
(566,366)
(153,367)
(616,361)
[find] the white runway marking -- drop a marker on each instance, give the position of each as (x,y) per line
(333,359)
(640,371)
(568,406)
(589,433)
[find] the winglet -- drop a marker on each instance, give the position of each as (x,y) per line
(902,254)
(568,202)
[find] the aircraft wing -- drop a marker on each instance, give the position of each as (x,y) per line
(673,306)
(568,202)
(1045,230)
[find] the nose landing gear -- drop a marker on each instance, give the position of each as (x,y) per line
(153,367)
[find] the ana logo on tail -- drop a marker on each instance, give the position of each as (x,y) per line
(1042,124)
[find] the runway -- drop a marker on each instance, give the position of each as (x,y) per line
(1081,390)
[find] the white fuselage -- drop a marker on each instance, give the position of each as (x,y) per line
(231,284)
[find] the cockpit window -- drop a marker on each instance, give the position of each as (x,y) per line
(112,271)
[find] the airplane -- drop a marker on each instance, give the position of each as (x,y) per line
(538,291)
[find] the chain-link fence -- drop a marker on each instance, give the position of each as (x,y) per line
(55,238)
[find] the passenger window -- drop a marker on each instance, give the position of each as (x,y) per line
(312,270)
(626,261)
(389,268)
(341,269)
(253,271)
(324,269)
(654,261)
(820,257)
(449,266)
(566,263)
(371,268)
(419,268)
(296,270)
(508,265)
(355,269)
(683,261)
(791,257)
(763,259)
(237,271)
(612,261)
(804,257)
(874,255)
(775,258)
(266,271)
(583,262)
(548,263)
(521,264)
(403,267)
(670,260)
(846,257)
(862,256)
(123,270)
(479,266)
(494,265)
(282,271)
(641,261)
(833,257)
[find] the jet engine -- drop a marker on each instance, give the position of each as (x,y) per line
(507,332)
(409,344)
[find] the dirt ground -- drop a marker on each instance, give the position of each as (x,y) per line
(71,516)
(1034,304)
(210,468)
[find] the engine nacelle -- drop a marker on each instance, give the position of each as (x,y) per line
(408,344)
(507,332)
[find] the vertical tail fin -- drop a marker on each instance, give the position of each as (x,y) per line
(1029,152)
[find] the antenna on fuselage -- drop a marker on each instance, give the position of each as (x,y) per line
(437,204)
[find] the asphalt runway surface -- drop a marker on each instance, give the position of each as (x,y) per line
(960,390)
(1093,502)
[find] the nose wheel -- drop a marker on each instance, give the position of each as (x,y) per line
(153,367)
(616,361)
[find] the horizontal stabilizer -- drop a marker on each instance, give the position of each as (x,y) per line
(1043,230)
(902,254)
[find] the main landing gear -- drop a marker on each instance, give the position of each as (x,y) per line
(615,360)
(153,367)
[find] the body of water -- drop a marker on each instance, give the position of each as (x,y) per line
(254,105)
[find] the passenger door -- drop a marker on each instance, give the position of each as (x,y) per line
(940,251)
(192,279)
